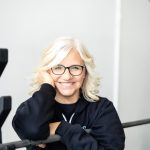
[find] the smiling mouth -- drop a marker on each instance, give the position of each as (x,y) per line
(66,84)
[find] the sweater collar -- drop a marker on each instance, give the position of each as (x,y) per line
(81,104)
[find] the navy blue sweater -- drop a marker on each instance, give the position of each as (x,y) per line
(33,116)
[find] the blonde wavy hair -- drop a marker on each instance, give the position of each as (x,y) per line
(56,52)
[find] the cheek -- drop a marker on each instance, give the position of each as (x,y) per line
(80,80)
(54,77)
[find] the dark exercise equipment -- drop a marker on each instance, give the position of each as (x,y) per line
(5,101)
(3,59)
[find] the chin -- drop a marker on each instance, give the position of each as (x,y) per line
(67,93)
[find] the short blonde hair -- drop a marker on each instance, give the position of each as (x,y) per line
(56,52)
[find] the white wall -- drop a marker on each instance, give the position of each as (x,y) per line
(28,26)
(134,87)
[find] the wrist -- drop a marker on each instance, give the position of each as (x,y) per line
(53,127)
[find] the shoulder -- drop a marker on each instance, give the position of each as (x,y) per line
(99,111)
(102,106)
(95,106)
(102,102)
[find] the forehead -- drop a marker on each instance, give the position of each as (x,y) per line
(72,58)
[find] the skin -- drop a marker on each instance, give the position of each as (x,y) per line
(67,86)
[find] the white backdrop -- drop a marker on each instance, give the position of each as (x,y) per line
(134,84)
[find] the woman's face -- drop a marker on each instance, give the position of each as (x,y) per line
(68,86)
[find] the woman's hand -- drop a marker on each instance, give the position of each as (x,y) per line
(42,145)
(45,77)
(53,126)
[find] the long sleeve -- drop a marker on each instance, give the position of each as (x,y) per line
(106,131)
(32,117)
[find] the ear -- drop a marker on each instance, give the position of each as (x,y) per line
(85,73)
(49,71)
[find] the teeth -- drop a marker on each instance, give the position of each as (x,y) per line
(66,84)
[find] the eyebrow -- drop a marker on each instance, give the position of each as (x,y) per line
(71,65)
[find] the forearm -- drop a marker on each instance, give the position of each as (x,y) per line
(33,116)
(74,137)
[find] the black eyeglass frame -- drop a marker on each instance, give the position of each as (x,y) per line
(69,69)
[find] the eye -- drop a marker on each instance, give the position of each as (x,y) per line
(58,68)
(75,67)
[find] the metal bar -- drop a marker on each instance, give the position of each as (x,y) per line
(55,138)
(136,123)
(25,143)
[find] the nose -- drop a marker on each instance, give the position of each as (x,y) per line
(67,75)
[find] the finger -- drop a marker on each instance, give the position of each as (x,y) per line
(42,145)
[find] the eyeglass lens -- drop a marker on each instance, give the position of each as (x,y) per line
(74,69)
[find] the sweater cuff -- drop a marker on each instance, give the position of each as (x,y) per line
(48,88)
(61,129)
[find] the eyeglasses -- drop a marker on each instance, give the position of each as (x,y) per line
(74,70)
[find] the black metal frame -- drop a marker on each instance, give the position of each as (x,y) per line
(3,59)
(5,107)
(5,101)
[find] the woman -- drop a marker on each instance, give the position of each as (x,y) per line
(65,101)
